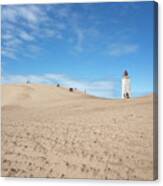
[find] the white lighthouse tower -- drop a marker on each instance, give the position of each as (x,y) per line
(126,86)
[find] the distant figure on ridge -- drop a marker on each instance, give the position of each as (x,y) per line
(28,82)
(126,86)
(71,89)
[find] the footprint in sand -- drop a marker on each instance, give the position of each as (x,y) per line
(91,157)
(83,167)
(62,176)
(67,164)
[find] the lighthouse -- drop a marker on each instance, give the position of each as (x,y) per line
(126,86)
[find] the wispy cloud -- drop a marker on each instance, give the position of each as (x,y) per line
(101,88)
(120,49)
(26,36)
(79,39)
(26,25)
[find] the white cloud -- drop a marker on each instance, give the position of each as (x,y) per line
(10,46)
(119,49)
(31,14)
(99,88)
(34,24)
(9,53)
(26,25)
(80,39)
(9,14)
(26,36)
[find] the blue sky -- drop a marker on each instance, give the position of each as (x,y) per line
(87,46)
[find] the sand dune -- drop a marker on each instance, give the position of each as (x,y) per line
(50,132)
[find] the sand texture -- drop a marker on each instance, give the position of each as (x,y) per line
(48,131)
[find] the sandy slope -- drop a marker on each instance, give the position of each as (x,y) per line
(51,132)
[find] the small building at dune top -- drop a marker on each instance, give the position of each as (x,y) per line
(126,86)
